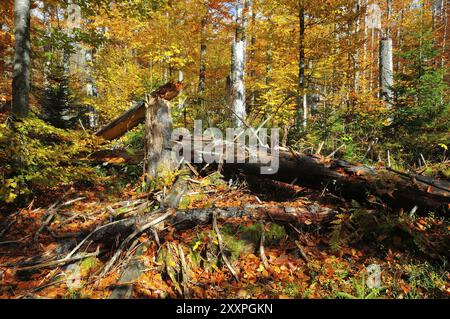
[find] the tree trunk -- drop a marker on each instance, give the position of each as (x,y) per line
(399,41)
(127,121)
(158,130)
(130,119)
(356,181)
(252,74)
(301,98)
(444,19)
(76,59)
(21,73)
(238,65)
(202,72)
(181,101)
(386,61)
(352,181)
(386,70)
(315,214)
(356,55)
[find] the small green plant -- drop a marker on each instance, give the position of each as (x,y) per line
(424,281)
(73,293)
(235,246)
(273,232)
(291,289)
(361,291)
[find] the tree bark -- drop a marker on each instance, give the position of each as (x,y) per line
(202,71)
(356,55)
(351,181)
(444,19)
(127,121)
(311,214)
(21,73)
(386,70)
(158,130)
(301,98)
(238,64)
(356,181)
(131,118)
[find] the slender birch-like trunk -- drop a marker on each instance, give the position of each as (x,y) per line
(386,69)
(202,71)
(302,106)
(21,73)
(238,64)
(356,55)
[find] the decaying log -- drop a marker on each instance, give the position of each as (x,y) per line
(190,218)
(127,121)
(136,115)
(181,220)
(135,267)
(344,179)
(311,214)
(116,157)
(158,147)
(353,181)
(173,198)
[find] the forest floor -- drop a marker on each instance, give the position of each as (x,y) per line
(303,261)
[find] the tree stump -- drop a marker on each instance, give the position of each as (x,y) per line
(158,130)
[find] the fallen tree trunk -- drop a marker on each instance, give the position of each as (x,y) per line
(311,214)
(136,115)
(344,179)
(127,121)
(352,181)
(115,157)
(111,233)
(355,181)
(189,218)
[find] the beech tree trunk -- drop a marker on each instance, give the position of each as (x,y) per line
(301,96)
(444,19)
(158,130)
(238,64)
(202,72)
(21,73)
(386,70)
(356,55)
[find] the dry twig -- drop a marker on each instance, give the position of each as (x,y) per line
(220,241)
